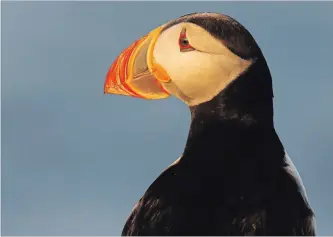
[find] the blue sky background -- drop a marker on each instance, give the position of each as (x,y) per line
(75,161)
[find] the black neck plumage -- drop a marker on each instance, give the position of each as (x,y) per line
(238,120)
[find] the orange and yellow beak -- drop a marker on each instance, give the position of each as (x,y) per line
(135,72)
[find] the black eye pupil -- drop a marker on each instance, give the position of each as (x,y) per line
(184,42)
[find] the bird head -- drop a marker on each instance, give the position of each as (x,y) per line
(193,58)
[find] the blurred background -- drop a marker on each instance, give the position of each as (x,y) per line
(75,161)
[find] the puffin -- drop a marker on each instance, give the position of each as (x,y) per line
(234,176)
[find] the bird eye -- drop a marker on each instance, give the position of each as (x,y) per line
(184,44)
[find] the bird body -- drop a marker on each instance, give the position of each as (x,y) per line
(184,203)
(234,176)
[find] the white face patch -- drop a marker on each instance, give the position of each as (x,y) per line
(196,76)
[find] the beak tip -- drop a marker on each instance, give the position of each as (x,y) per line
(105,91)
(107,85)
